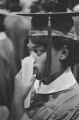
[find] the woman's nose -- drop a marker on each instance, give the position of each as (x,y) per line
(32,54)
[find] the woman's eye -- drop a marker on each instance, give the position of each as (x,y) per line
(39,51)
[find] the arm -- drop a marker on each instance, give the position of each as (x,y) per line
(17,110)
(21,91)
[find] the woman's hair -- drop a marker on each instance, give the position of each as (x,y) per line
(25,52)
(72,46)
(58,43)
(37,40)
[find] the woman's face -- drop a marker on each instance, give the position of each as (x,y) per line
(39,54)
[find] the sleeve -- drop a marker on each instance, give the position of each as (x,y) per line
(69,115)
(6,84)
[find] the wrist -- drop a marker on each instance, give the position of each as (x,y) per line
(18,98)
(17,109)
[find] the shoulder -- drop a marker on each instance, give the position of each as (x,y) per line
(46,113)
(66,115)
(64,105)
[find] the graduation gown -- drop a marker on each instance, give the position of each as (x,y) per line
(63,105)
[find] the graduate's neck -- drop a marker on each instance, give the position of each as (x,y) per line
(54,75)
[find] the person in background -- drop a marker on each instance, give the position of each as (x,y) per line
(26,5)
(7,66)
(57,96)
(12,34)
(16,29)
(12,5)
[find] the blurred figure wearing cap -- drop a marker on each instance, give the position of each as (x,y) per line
(16,29)
(56,97)
(7,70)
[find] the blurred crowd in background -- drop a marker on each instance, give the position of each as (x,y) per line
(13,32)
(25,5)
(19,5)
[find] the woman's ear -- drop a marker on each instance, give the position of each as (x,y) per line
(63,53)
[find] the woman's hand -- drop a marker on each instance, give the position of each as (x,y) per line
(22,88)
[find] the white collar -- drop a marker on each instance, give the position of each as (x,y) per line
(63,82)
